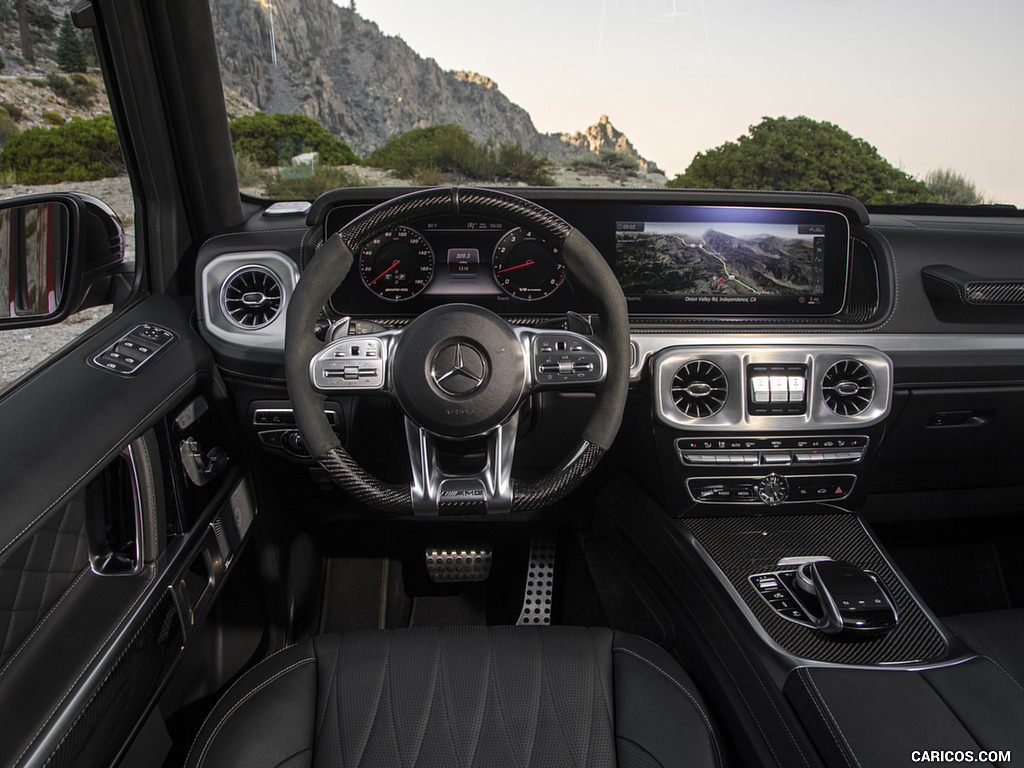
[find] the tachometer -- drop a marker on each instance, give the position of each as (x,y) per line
(526,267)
(396,264)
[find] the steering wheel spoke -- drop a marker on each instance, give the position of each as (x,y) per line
(435,491)
(562,360)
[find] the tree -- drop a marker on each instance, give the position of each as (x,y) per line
(70,53)
(803,155)
(26,33)
(952,188)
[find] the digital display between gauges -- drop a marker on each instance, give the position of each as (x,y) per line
(526,267)
(396,264)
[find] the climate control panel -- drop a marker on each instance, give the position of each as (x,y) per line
(772,451)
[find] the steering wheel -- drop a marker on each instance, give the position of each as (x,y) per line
(458,371)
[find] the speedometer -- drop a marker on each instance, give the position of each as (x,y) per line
(526,267)
(396,264)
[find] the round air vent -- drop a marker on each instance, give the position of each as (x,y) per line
(251,297)
(700,389)
(848,387)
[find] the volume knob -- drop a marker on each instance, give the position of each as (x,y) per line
(773,489)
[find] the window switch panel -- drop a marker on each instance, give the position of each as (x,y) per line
(133,350)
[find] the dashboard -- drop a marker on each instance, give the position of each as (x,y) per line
(671,260)
(785,347)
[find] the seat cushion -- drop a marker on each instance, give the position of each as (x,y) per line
(996,634)
(462,696)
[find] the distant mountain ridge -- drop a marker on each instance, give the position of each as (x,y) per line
(365,86)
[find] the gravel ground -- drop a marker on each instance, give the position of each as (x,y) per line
(21,350)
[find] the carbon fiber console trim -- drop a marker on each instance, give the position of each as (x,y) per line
(742,546)
(995,292)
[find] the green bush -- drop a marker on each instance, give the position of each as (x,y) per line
(15,112)
(606,161)
(521,164)
(311,186)
(952,188)
(804,155)
(441,151)
(275,139)
(80,150)
(78,89)
(53,117)
(445,148)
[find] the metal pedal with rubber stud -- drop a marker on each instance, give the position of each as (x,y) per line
(451,565)
(540,580)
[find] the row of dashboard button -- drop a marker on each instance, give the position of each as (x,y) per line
(704,444)
(773,458)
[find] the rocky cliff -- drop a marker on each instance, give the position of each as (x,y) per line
(602,136)
(365,86)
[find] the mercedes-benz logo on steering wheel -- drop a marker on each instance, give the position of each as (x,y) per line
(458,369)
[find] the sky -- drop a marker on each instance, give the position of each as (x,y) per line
(930,83)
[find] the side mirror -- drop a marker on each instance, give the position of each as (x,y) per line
(57,252)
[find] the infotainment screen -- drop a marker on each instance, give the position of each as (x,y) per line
(708,261)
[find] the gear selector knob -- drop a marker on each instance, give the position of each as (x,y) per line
(851,599)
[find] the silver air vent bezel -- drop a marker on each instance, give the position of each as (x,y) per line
(734,361)
(213,281)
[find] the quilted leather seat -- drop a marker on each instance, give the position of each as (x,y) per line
(462,696)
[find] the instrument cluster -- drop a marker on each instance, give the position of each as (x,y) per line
(406,269)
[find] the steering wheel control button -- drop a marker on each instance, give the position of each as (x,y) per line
(350,363)
(128,354)
(459,369)
(566,359)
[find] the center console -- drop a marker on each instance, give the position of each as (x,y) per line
(745,532)
(798,623)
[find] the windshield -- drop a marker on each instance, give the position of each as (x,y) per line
(889,102)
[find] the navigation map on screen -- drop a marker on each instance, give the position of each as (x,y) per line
(730,261)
